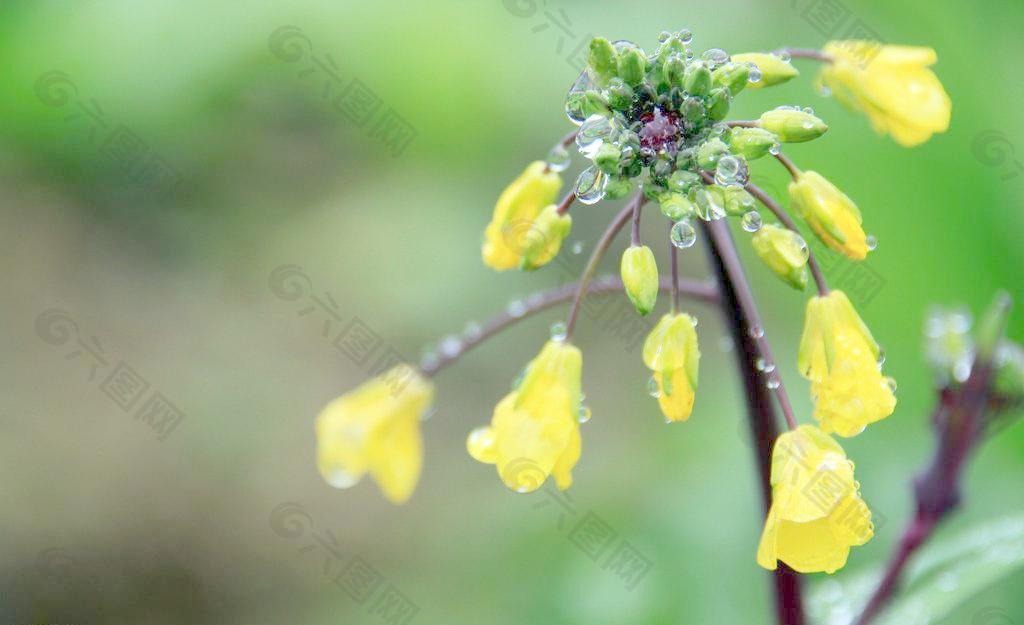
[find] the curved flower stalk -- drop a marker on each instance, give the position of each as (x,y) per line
(654,124)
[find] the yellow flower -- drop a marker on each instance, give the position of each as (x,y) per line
(840,358)
(830,214)
(785,253)
(892,85)
(512,226)
(376,428)
(773,69)
(817,513)
(541,243)
(535,430)
(672,353)
(640,277)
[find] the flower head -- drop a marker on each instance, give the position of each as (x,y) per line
(892,85)
(840,358)
(535,429)
(513,229)
(830,214)
(672,354)
(376,429)
(817,513)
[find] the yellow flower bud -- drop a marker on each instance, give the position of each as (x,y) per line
(541,243)
(514,214)
(773,69)
(840,358)
(785,253)
(376,429)
(830,214)
(892,85)
(640,277)
(812,528)
(535,429)
(671,352)
(792,125)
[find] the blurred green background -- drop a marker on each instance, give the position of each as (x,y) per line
(152,187)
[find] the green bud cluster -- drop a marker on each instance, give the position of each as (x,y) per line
(658,117)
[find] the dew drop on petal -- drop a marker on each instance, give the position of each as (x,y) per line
(584,414)
(890,383)
(683,235)
(652,388)
(871,242)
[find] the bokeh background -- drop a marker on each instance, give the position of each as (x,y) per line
(163,168)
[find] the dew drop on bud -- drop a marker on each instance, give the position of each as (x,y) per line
(751,221)
(559,331)
(755,75)
(685,35)
(590,186)
(871,242)
(683,235)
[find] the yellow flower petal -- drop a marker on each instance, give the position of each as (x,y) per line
(376,429)
(892,85)
(832,215)
(513,224)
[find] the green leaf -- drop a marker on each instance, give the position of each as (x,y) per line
(941,577)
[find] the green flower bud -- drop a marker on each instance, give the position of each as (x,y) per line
(698,79)
(620,95)
(653,191)
(640,277)
(718,104)
(693,110)
(732,76)
(618,187)
(752,143)
(785,253)
(607,158)
(709,202)
(673,46)
(709,152)
(773,69)
(793,125)
(603,59)
(542,242)
(676,206)
(681,181)
(675,69)
(632,66)
(737,201)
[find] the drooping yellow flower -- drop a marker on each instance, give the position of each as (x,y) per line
(830,214)
(376,429)
(535,430)
(840,358)
(817,513)
(785,253)
(672,354)
(639,273)
(892,85)
(541,243)
(513,228)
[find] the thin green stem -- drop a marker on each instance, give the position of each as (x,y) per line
(673,254)
(788,164)
(595,259)
(806,53)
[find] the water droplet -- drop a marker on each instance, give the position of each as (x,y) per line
(593,133)
(577,247)
(340,478)
(694,321)
(584,414)
(708,206)
(881,357)
(784,57)
(760,364)
(652,387)
(755,74)
(824,91)
(775,149)
(451,346)
(683,234)
(590,186)
(773,382)
(689,54)
(890,384)
(664,36)
(519,378)
(575,101)
(559,331)
(516,308)
(751,221)
(429,360)
(715,57)
(685,35)
(559,159)
(808,110)
(805,251)
(871,242)
(472,331)
(756,332)
(769,368)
